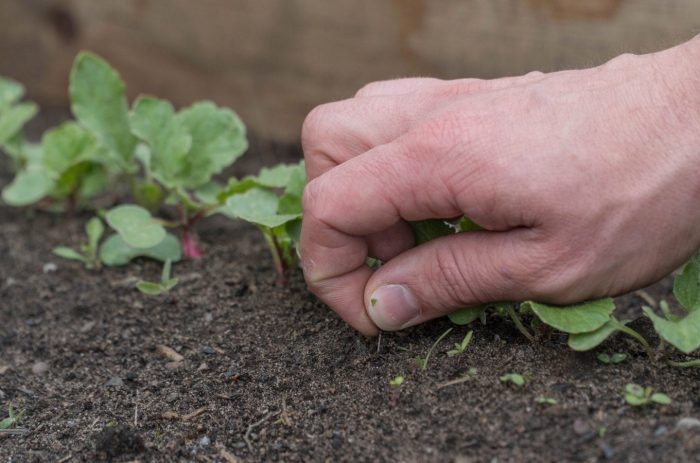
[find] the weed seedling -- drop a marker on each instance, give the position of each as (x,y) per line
(88,253)
(546,400)
(513,378)
(617,357)
(397,382)
(423,361)
(11,420)
(462,346)
(155,289)
(637,395)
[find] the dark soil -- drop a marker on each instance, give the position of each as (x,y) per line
(270,374)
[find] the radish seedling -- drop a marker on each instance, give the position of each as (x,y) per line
(397,382)
(637,395)
(88,253)
(546,400)
(614,359)
(166,282)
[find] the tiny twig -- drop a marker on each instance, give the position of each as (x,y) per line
(461,380)
(379,343)
(519,324)
(251,427)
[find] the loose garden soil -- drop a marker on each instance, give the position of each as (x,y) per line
(270,374)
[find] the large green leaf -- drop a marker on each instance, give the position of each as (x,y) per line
(65,146)
(686,286)
(258,206)
(218,139)
(578,318)
(98,100)
(114,251)
(136,226)
(684,334)
(28,187)
(154,121)
(13,119)
(587,341)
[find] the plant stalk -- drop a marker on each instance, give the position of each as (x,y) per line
(519,324)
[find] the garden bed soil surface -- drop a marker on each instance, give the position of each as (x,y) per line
(270,374)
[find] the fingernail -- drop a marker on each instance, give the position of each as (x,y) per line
(393,307)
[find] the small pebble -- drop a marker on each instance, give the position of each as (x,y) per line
(608,451)
(687,423)
(203,367)
(115,381)
(174,365)
(39,368)
(208,318)
(204,441)
(580,427)
(207,350)
(49,267)
(660,431)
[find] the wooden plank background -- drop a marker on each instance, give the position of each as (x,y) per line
(273,60)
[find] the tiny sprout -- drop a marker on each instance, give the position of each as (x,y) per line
(397,382)
(637,395)
(12,418)
(155,289)
(546,400)
(88,254)
(423,361)
(617,357)
(461,347)
(514,378)
(602,431)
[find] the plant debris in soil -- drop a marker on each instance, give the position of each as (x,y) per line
(230,367)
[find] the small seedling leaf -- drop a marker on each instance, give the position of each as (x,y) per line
(574,319)
(618,357)
(68,253)
(94,230)
(114,251)
(397,382)
(136,226)
(546,400)
(660,398)
(686,286)
(99,103)
(604,359)
(683,334)
(150,288)
(66,146)
(513,378)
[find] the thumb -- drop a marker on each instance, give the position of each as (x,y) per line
(450,273)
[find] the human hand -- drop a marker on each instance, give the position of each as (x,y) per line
(585,183)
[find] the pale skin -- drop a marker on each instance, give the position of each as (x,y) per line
(586,183)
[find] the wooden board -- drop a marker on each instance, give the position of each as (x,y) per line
(273,60)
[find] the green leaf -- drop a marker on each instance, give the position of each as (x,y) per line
(258,206)
(150,288)
(686,286)
(514,378)
(278,176)
(13,119)
(218,139)
(94,230)
(114,251)
(546,400)
(209,192)
(10,92)
(604,358)
(618,357)
(154,121)
(136,226)
(28,187)
(660,398)
(683,334)
(467,315)
(68,253)
(587,341)
(466,224)
(428,230)
(578,318)
(66,146)
(98,100)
